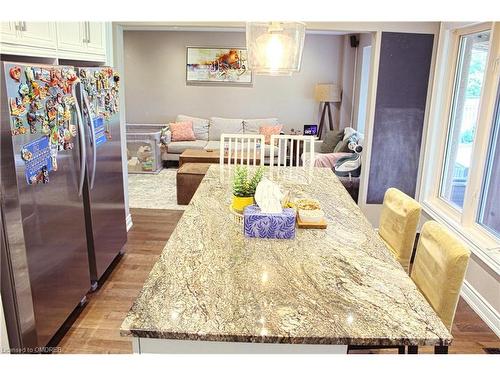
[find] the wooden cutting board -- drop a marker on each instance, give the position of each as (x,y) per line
(317,225)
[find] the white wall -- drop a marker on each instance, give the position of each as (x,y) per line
(156,89)
(347,77)
(116,60)
(364,41)
(485,281)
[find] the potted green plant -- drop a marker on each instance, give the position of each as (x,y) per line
(244,187)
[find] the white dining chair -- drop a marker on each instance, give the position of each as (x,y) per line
(242,149)
(295,153)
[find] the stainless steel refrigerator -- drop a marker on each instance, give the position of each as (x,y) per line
(61,195)
(98,98)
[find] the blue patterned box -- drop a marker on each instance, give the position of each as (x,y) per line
(261,225)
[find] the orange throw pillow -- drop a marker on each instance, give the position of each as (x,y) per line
(267,131)
(182,131)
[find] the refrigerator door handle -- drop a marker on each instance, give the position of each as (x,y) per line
(94,147)
(83,149)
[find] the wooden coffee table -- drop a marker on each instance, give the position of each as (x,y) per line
(199,156)
(204,156)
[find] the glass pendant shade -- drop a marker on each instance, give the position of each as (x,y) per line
(275,48)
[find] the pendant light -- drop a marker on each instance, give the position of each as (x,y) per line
(275,48)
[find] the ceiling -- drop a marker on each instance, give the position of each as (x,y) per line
(311,28)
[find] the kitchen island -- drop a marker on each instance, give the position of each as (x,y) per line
(215,291)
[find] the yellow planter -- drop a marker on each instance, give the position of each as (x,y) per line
(239,203)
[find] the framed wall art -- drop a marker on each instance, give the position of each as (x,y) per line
(205,65)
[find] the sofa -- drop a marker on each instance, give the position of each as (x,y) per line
(335,146)
(207,133)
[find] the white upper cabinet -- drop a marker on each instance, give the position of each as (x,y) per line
(96,37)
(65,40)
(38,34)
(86,38)
(29,38)
(71,36)
(9,32)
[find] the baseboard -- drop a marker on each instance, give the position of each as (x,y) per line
(129,222)
(482,308)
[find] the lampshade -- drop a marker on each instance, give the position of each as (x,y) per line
(275,48)
(327,92)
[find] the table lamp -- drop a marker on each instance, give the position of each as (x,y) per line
(326,93)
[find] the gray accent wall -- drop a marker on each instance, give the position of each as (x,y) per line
(403,76)
(156,90)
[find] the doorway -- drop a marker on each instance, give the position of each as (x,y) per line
(366,53)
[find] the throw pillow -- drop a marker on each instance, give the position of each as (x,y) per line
(200,126)
(219,125)
(332,138)
(251,126)
(343,146)
(267,131)
(182,131)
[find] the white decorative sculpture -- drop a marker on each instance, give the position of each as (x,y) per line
(268,197)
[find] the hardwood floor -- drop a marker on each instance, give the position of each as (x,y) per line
(470,334)
(96,330)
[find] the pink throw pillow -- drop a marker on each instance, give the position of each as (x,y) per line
(267,131)
(182,131)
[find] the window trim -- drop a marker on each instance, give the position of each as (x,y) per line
(463,223)
(453,56)
(457,57)
(489,158)
(477,238)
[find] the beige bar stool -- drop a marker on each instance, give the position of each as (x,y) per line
(398,224)
(439,269)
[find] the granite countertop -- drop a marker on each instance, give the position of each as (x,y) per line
(334,286)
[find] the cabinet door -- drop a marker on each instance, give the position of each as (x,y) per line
(71,36)
(38,34)
(9,32)
(96,34)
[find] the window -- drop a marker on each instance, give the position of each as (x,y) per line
(469,77)
(489,214)
(460,184)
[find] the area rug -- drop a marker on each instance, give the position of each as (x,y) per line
(156,191)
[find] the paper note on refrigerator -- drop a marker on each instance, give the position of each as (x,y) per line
(38,161)
(100,131)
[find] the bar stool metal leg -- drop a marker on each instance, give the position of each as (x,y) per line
(412,349)
(440,349)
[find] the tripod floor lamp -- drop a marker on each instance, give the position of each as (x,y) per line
(326,93)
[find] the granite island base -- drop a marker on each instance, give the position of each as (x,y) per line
(165,346)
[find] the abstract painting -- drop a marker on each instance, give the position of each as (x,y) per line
(217,65)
